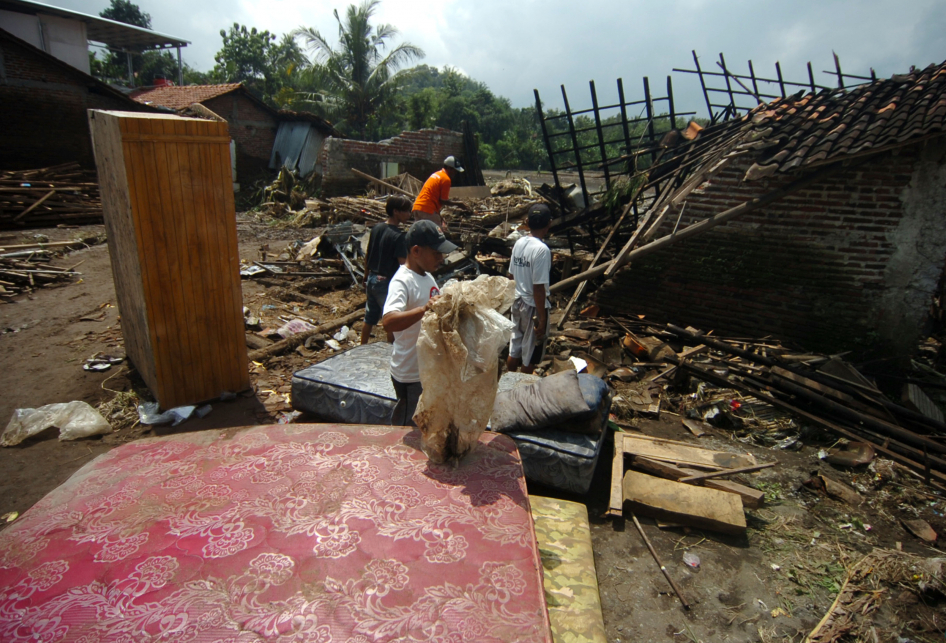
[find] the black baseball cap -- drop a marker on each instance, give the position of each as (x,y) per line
(539,216)
(426,233)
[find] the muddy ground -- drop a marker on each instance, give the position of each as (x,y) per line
(773,584)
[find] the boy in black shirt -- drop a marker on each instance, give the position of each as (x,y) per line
(386,252)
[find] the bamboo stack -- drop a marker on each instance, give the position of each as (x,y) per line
(48,197)
(357,209)
(22,272)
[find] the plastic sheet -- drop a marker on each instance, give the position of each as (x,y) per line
(458,350)
(150,413)
(74,419)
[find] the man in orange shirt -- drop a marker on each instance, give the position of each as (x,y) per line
(436,193)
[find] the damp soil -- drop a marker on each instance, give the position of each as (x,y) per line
(772,584)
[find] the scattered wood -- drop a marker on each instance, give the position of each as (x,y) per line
(695,427)
(50,196)
(290,343)
(728,472)
(834,489)
(921,529)
(751,498)
(663,568)
(682,453)
(685,504)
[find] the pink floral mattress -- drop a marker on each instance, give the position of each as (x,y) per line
(302,533)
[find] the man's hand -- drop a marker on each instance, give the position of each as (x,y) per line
(430,302)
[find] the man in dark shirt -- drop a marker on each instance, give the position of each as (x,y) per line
(386,252)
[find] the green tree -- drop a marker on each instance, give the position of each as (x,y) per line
(265,64)
(360,77)
(127,12)
(113,65)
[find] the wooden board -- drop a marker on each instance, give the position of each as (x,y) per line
(682,453)
(684,504)
(752,498)
(470,192)
(168,205)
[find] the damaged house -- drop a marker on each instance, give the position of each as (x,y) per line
(252,123)
(833,203)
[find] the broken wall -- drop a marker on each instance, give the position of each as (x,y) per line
(43,104)
(849,263)
(420,153)
(252,127)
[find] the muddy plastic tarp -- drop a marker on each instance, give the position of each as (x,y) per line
(461,337)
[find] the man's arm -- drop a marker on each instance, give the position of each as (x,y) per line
(396,321)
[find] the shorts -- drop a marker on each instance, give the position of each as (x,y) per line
(377,292)
(522,345)
(407,398)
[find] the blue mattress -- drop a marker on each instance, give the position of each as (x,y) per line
(354,387)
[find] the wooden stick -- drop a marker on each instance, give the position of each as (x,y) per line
(699,227)
(645,227)
(653,553)
(35,205)
(727,472)
(594,262)
(51,244)
(380,182)
(290,343)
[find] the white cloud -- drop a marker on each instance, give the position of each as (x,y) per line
(514,47)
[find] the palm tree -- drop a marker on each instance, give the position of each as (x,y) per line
(357,79)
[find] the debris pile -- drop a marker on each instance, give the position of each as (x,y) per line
(759,390)
(25,266)
(47,197)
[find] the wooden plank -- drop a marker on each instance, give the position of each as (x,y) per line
(685,504)
(117,208)
(233,310)
(752,498)
(382,183)
(717,474)
(36,204)
(682,453)
(695,427)
(616,504)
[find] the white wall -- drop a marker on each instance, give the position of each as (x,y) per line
(66,40)
(23,26)
(61,37)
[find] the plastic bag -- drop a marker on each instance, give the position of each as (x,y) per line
(74,419)
(458,349)
(150,413)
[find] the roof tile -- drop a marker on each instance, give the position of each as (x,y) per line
(179,97)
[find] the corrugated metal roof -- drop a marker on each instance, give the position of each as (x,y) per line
(109,32)
(297,147)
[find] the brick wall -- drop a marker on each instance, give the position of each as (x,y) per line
(252,127)
(851,262)
(420,153)
(43,107)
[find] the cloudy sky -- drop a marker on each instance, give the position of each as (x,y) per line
(515,46)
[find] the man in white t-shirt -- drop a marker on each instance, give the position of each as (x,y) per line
(529,267)
(409,295)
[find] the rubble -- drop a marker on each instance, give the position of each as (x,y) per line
(61,194)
